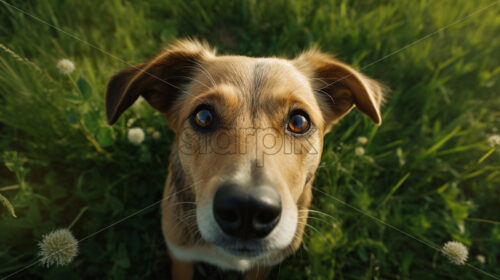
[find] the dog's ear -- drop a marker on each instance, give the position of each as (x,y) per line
(159,81)
(340,88)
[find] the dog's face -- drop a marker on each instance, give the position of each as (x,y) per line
(249,134)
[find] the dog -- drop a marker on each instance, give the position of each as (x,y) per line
(248,140)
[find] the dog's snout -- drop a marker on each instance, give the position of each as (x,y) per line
(250,212)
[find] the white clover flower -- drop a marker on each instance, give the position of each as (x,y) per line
(58,247)
(481,259)
(130,122)
(156,135)
(150,130)
(456,252)
(136,135)
(359,151)
(494,140)
(362,140)
(65,66)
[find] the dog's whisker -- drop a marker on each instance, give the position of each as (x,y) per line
(168,196)
(316,230)
(326,94)
(205,71)
(194,79)
(321,81)
(319,212)
(186,217)
(192,229)
(181,203)
(318,219)
(183,220)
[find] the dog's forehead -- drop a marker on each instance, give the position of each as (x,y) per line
(254,80)
(253,73)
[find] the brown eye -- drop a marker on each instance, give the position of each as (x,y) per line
(298,122)
(203,118)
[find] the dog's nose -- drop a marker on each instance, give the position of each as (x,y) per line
(250,212)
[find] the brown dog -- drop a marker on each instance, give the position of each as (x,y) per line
(249,135)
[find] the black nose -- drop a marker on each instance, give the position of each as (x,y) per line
(250,212)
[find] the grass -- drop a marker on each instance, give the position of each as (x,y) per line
(428,170)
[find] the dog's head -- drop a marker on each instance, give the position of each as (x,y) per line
(249,133)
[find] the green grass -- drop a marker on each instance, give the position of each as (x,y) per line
(428,170)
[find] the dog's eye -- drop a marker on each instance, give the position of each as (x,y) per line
(203,117)
(298,122)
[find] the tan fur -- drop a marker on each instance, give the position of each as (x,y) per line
(253,98)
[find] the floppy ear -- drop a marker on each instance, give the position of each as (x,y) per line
(159,81)
(340,88)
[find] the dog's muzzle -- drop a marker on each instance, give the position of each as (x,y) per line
(247,212)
